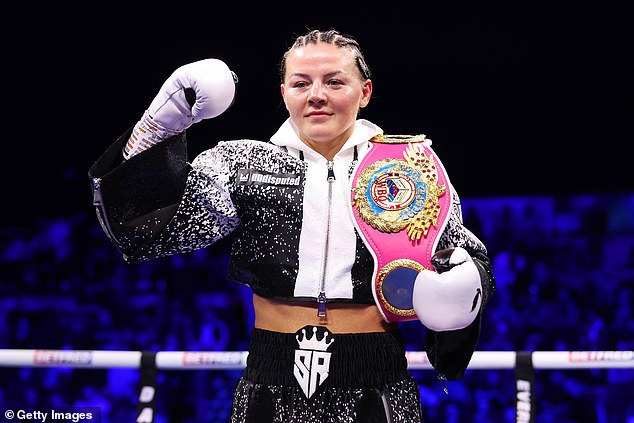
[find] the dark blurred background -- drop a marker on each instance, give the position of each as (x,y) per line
(518,99)
(529,107)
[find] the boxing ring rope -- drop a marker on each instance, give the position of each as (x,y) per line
(524,363)
(228,360)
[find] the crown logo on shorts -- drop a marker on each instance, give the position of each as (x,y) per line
(313,343)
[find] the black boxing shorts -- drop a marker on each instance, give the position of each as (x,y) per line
(316,376)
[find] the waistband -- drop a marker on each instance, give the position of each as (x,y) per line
(355,360)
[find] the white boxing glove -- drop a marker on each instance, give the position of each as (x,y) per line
(449,298)
(195,91)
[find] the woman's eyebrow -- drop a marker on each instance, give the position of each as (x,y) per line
(328,75)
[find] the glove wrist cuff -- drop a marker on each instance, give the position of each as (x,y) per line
(146,134)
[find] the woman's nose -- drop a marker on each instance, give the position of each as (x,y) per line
(316,94)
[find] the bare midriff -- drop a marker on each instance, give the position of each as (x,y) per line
(289,317)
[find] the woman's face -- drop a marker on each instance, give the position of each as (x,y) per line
(323,92)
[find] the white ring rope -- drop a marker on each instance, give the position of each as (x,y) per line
(226,360)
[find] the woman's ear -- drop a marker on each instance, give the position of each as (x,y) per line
(367,93)
(283,98)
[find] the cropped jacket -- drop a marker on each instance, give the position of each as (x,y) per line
(292,235)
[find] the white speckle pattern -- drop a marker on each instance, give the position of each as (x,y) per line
(258,403)
(265,218)
(456,234)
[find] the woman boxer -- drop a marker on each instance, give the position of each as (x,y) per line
(323,347)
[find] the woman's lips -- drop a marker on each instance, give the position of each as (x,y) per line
(318,115)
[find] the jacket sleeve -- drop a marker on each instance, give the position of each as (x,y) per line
(156,203)
(449,352)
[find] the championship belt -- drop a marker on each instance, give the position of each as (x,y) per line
(401,198)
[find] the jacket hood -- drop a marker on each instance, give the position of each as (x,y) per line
(287,135)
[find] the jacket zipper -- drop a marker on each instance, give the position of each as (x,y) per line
(321,298)
(442,378)
(97,201)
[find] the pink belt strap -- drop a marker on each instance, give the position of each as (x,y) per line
(400,201)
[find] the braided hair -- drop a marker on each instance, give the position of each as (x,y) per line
(329,37)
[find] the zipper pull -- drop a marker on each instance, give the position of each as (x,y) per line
(331,172)
(321,306)
(96,191)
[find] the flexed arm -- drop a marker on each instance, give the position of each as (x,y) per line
(136,198)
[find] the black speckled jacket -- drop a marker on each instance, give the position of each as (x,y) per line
(292,238)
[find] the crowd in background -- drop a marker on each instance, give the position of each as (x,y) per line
(564,267)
